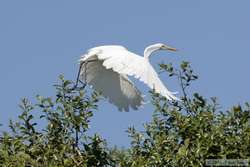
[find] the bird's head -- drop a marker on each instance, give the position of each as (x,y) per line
(162,46)
(158,46)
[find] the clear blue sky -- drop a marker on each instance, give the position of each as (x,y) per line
(41,39)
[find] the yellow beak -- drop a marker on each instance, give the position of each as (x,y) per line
(165,47)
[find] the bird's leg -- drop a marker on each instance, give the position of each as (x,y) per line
(84,84)
(78,75)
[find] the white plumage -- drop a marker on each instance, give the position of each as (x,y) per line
(106,69)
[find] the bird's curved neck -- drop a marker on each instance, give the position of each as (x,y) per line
(149,50)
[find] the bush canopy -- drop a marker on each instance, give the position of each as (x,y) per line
(190,132)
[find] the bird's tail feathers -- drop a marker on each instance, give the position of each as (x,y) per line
(174,93)
(173,97)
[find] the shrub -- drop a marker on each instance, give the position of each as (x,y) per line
(181,133)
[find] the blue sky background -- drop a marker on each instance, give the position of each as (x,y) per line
(41,39)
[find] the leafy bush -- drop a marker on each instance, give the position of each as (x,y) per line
(63,141)
(181,133)
(188,132)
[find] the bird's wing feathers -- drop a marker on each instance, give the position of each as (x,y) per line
(125,62)
(108,74)
(116,87)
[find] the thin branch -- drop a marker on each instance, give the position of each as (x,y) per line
(186,104)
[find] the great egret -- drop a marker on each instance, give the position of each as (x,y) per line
(106,69)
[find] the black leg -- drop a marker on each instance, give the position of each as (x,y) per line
(78,75)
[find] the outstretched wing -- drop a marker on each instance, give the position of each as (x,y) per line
(116,87)
(122,61)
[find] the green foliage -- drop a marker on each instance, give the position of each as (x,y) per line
(181,133)
(63,141)
(187,132)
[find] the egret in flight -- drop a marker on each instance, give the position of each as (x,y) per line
(106,69)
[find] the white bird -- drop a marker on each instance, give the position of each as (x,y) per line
(106,69)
